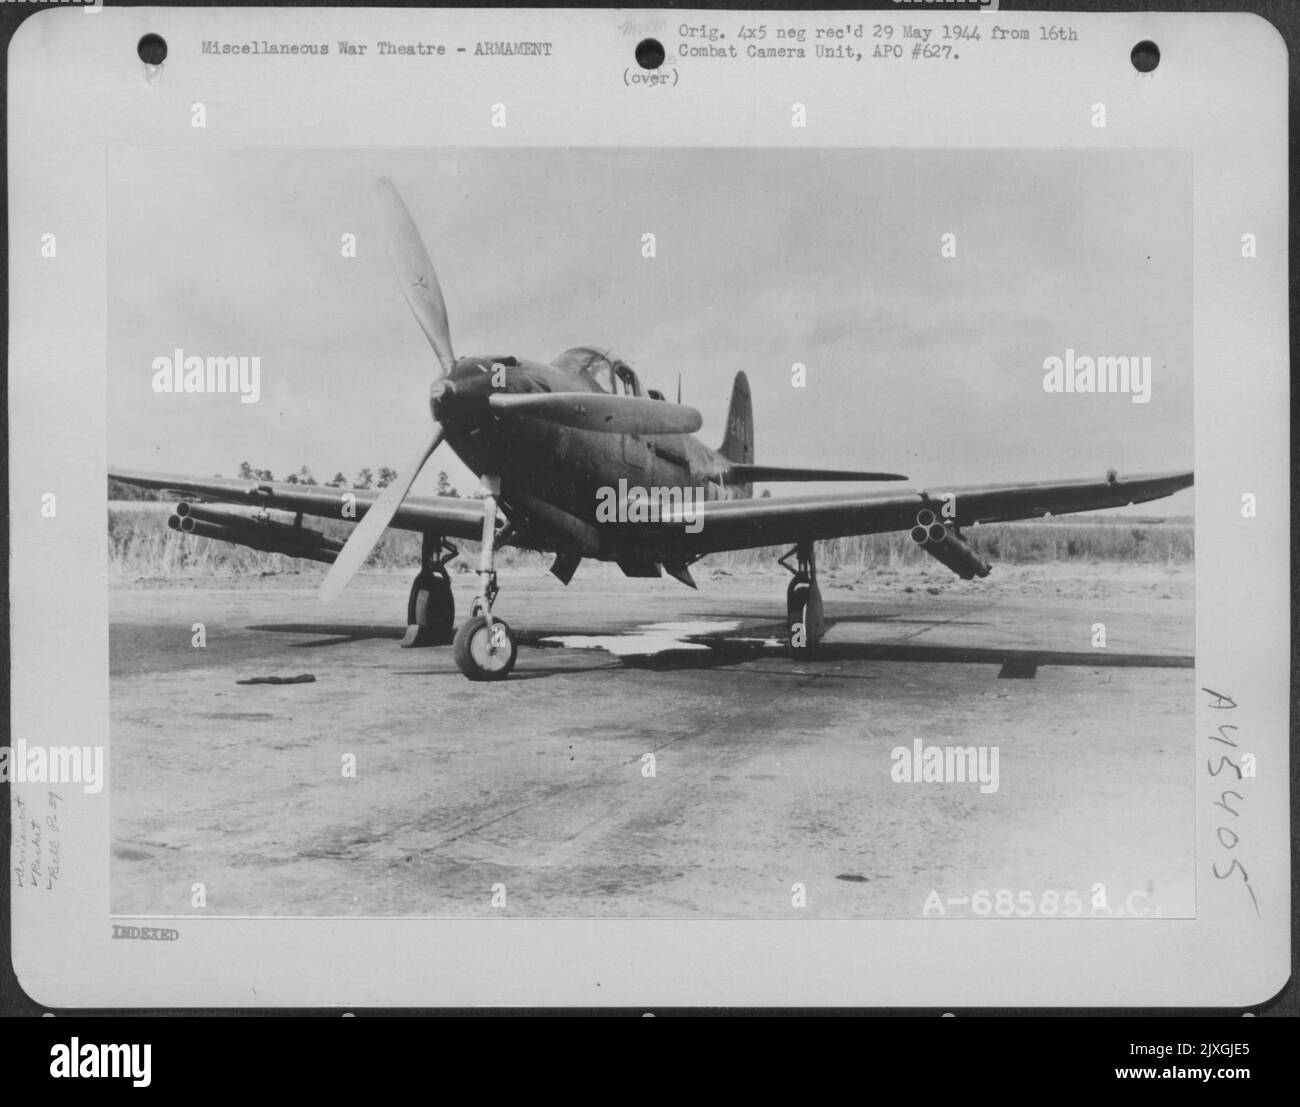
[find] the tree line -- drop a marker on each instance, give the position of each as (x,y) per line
(366,478)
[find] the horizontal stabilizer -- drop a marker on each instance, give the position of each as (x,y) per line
(753,474)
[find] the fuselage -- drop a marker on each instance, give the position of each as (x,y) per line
(569,469)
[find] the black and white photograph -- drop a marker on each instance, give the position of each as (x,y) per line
(647,509)
(841,562)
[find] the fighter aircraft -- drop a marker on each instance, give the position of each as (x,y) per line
(579,460)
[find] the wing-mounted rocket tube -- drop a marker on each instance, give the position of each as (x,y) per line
(945,547)
(227,525)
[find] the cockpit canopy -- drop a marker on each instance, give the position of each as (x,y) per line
(608,374)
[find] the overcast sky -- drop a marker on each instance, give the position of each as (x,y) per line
(916,363)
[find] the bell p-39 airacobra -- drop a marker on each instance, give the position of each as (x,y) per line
(550,443)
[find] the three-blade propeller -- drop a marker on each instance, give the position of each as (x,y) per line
(414,268)
(420,286)
(591,411)
(367,533)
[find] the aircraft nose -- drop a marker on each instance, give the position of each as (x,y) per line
(460,397)
(440,393)
(468,369)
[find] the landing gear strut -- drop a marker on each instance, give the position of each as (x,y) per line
(484,647)
(803,602)
(431,610)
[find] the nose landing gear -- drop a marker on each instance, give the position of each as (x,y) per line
(803,602)
(484,647)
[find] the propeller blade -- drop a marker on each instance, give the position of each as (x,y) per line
(366,534)
(595,411)
(415,270)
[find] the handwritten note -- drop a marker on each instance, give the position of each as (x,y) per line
(37,846)
(1229,772)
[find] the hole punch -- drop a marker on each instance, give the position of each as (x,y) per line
(650,53)
(152,49)
(1145,56)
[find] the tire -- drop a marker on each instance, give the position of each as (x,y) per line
(475,654)
(431,608)
(803,608)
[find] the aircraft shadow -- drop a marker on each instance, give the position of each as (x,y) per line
(751,644)
(724,650)
(338,633)
(529,673)
(896,620)
(893,618)
(996,655)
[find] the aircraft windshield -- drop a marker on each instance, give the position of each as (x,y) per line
(608,374)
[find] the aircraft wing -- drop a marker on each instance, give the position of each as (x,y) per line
(444,515)
(742,524)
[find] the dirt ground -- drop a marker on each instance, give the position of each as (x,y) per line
(767,773)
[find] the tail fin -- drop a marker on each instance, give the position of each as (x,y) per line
(738,445)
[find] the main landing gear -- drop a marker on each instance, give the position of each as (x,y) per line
(803,602)
(431,610)
(484,647)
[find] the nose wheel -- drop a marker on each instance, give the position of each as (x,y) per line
(485,647)
(803,603)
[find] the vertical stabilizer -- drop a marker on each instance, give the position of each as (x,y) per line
(738,445)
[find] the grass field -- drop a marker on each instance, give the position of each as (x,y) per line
(141,546)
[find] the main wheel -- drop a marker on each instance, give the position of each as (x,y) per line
(803,616)
(483,653)
(430,611)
